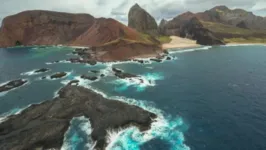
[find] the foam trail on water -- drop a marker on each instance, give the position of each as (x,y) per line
(78,135)
(234,45)
(190,50)
(32,72)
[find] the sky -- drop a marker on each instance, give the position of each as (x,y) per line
(118,9)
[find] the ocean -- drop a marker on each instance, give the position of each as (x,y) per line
(207,98)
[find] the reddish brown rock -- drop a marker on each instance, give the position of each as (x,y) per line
(109,39)
(43,28)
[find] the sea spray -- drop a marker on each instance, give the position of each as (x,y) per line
(164,127)
(78,135)
(140,83)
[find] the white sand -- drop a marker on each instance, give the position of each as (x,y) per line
(178,42)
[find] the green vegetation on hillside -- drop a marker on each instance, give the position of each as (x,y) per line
(245,40)
(239,35)
(222,28)
(164,39)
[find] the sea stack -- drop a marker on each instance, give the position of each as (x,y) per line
(142,21)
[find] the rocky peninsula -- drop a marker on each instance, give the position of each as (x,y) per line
(46,123)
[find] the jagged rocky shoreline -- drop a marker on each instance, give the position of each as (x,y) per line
(46,123)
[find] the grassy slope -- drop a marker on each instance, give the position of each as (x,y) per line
(243,35)
(164,39)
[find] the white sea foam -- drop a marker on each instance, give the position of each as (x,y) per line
(190,50)
(15,111)
(61,61)
(32,72)
(163,127)
(140,82)
(234,45)
(73,139)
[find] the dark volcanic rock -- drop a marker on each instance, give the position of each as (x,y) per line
(12,84)
(73,82)
(95,71)
(120,74)
(102,75)
(142,21)
(117,70)
(58,75)
(44,125)
(139,61)
(42,70)
(165,52)
(92,78)
(195,30)
(168,58)
(156,59)
(83,61)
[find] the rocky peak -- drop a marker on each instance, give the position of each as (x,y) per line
(142,21)
(221,8)
(162,23)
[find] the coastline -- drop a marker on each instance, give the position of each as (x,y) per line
(178,42)
(239,44)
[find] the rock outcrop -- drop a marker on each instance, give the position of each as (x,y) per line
(58,75)
(193,29)
(12,85)
(234,17)
(162,27)
(142,21)
(43,126)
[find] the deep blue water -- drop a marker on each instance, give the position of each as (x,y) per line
(213,98)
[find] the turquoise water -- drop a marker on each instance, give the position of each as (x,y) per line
(206,98)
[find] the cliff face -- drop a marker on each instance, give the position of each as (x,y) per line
(188,26)
(53,28)
(142,21)
(43,28)
(174,26)
(193,29)
(219,23)
(223,14)
(107,30)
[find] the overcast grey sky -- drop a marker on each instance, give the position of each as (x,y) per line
(118,9)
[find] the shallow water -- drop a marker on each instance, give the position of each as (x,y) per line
(206,98)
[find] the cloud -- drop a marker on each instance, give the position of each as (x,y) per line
(118,9)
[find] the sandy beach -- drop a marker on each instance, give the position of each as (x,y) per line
(178,42)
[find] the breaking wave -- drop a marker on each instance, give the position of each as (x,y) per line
(166,127)
(32,72)
(15,111)
(190,50)
(139,83)
(78,135)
